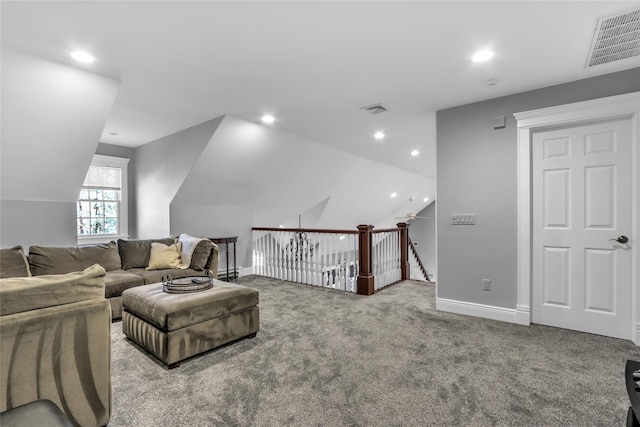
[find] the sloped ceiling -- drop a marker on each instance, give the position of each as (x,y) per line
(52,118)
(313,63)
(279,176)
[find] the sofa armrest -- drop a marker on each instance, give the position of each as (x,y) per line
(60,353)
(20,294)
(212,263)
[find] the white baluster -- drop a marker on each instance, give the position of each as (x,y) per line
(260,253)
(316,260)
(263,270)
(325,262)
(344,264)
(278,255)
(260,243)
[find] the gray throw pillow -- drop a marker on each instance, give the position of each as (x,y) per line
(201,255)
(136,253)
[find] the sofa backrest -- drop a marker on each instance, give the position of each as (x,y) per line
(20,294)
(13,263)
(60,260)
(136,253)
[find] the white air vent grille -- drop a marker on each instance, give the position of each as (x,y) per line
(616,37)
(375,109)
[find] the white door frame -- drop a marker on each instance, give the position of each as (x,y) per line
(625,106)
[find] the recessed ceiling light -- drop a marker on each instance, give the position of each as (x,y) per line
(268,119)
(82,57)
(426,199)
(483,55)
(415,153)
(379,135)
(394,194)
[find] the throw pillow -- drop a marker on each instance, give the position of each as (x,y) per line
(135,253)
(13,263)
(201,255)
(189,244)
(163,256)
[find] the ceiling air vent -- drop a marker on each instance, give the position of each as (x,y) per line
(616,37)
(375,109)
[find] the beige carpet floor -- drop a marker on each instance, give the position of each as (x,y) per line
(326,358)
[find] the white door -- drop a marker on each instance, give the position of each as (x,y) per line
(582,199)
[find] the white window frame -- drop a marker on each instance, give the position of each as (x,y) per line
(123,211)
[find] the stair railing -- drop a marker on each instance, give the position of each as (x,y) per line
(423,274)
(361,261)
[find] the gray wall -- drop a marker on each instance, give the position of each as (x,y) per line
(477,173)
(160,169)
(50,131)
(125,153)
(43,223)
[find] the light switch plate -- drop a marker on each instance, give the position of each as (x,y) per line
(463,219)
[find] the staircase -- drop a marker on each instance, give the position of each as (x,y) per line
(417,271)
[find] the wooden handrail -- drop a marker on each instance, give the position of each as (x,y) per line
(306,230)
(415,252)
(386,230)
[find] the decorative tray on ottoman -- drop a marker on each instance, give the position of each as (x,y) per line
(187,284)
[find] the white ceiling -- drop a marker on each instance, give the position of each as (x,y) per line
(313,64)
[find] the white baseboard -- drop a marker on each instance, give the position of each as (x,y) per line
(523,315)
(478,310)
(245,271)
(242,271)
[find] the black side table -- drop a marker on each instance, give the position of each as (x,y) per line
(226,241)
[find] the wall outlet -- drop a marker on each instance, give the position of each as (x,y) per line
(486,284)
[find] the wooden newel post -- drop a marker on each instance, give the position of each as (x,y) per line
(405,267)
(365,275)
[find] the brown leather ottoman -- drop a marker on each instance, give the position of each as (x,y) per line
(174,327)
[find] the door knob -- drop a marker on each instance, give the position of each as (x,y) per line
(621,239)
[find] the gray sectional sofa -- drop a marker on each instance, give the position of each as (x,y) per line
(56,343)
(125,262)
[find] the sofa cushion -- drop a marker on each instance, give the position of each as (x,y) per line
(19,294)
(13,263)
(136,253)
(201,255)
(116,281)
(59,260)
(164,256)
(155,276)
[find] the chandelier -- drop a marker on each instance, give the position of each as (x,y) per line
(299,246)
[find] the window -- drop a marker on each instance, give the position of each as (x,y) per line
(102,203)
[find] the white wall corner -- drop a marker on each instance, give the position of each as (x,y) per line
(477,310)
